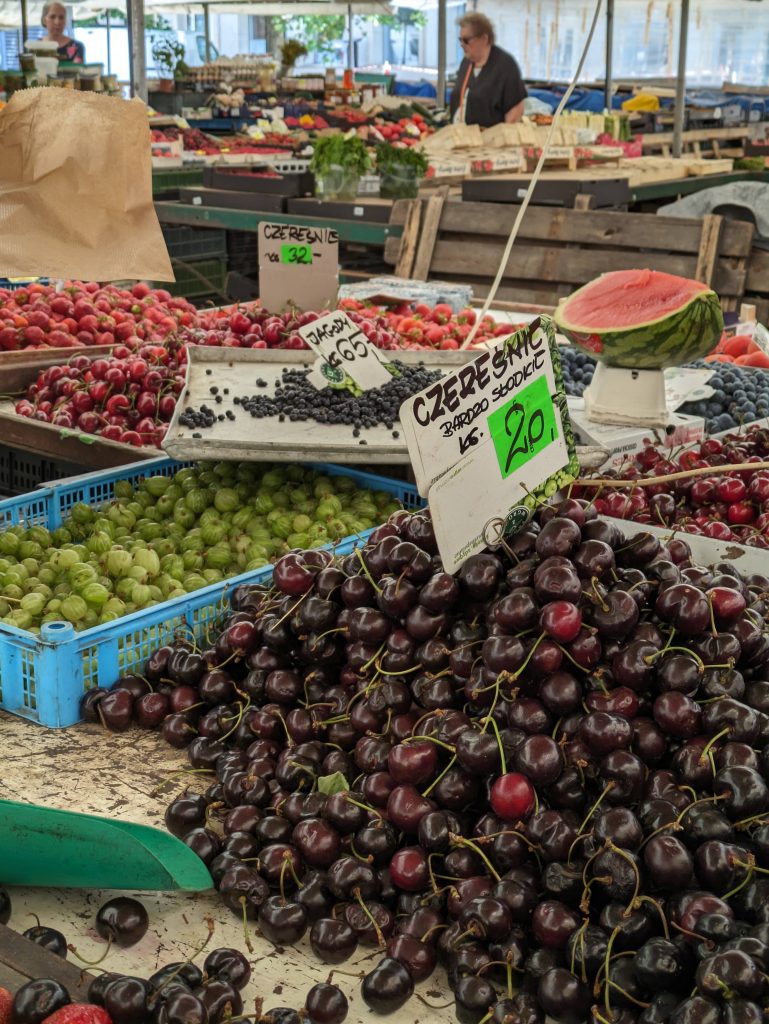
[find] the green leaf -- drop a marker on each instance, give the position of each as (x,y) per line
(330,784)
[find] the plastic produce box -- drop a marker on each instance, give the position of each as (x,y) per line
(43,676)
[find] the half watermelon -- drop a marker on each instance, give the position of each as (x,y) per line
(642,319)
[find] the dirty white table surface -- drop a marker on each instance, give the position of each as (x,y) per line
(88,770)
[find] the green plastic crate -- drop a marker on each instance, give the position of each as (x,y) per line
(176,178)
(196,278)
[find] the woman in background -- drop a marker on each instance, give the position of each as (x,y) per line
(489,89)
(54,19)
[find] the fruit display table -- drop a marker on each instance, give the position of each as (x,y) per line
(133,777)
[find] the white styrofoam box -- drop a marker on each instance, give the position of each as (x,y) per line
(624,442)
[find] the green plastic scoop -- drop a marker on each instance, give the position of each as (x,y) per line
(40,846)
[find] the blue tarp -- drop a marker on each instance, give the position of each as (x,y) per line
(414,89)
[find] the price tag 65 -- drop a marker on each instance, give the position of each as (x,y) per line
(340,343)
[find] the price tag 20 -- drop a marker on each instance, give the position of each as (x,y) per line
(490,440)
(342,345)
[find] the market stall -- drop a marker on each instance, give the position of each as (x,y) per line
(407,654)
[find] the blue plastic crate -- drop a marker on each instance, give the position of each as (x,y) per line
(43,677)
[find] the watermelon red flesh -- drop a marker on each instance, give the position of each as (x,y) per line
(642,319)
(628,298)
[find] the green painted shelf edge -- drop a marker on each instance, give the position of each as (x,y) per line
(362,232)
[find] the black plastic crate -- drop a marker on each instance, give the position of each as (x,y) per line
(251,179)
(22,471)
(187,243)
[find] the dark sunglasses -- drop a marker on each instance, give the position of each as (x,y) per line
(464,40)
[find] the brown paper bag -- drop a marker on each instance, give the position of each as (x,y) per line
(76,189)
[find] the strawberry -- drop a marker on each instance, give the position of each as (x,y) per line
(79,1013)
(6,1002)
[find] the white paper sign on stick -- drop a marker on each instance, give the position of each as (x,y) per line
(342,345)
(491,439)
(298,266)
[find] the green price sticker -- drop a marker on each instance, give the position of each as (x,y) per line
(296,254)
(523,427)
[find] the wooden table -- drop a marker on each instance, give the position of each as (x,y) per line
(89,770)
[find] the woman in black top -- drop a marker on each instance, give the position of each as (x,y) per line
(489,88)
(55,19)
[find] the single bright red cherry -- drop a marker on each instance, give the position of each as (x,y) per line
(512,796)
(561,620)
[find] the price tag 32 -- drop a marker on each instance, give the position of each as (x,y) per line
(340,343)
(490,440)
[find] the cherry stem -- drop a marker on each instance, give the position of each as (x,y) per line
(650,481)
(438,778)
(598,1016)
(366,571)
(430,739)
(363,807)
(581,939)
(287,859)
(584,903)
(489,720)
(626,856)
(91,963)
(607,789)
(626,994)
(713,630)
(197,952)
(579,839)
(378,931)
(430,872)
(639,900)
(606,964)
(711,742)
(242,708)
(650,658)
(456,840)
(751,867)
(509,832)
(293,608)
(692,935)
(435,928)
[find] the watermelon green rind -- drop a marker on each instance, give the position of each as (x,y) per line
(687,333)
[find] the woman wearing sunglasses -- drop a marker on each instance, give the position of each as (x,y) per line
(489,88)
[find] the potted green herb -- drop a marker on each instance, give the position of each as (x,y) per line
(168,54)
(400,170)
(338,162)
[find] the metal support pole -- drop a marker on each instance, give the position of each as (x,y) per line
(109,43)
(24,24)
(609,87)
(135,22)
(680,111)
(207,31)
(441,85)
(350,44)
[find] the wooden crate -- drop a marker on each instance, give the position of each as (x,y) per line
(757,285)
(716,142)
(22,960)
(558,250)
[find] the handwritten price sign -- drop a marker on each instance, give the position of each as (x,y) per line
(343,346)
(284,251)
(491,439)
